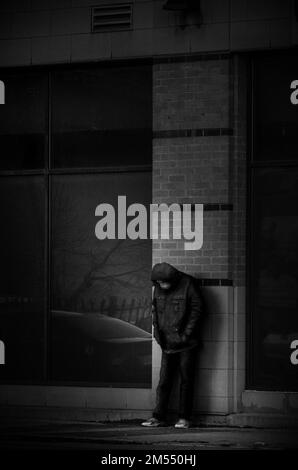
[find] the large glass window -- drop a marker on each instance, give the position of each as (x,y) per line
(73,308)
(23,121)
(100,312)
(102,117)
(276,124)
(22,289)
(274,225)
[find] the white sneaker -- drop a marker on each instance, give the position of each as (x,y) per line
(182,423)
(153,422)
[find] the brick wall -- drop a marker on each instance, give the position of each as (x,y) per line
(194,169)
(207,95)
(238,168)
(192,158)
(191,94)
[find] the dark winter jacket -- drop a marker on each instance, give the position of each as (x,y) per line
(176,311)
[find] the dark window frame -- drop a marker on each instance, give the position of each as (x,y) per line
(47,172)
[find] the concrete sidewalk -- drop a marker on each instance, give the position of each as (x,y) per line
(20,434)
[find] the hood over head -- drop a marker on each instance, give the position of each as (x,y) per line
(165,272)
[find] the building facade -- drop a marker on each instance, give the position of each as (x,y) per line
(194,105)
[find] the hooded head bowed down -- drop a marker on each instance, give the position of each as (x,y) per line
(176,311)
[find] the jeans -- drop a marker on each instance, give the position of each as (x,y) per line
(169,363)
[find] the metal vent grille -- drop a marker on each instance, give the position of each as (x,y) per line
(116,17)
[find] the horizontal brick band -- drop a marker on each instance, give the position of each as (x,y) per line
(189,58)
(214,282)
(218,207)
(212,207)
(203,132)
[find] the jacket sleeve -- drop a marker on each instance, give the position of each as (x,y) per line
(195,306)
(156,331)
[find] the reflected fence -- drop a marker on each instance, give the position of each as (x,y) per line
(136,311)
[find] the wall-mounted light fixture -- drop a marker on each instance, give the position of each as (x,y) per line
(189,11)
(182,5)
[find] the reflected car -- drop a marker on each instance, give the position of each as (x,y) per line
(97,349)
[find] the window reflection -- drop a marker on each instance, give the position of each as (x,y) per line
(275,276)
(101,318)
(22,254)
(276,118)
(102,117)
(23,121)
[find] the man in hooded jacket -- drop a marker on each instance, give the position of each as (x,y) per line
(176,311)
